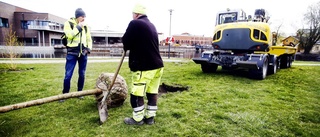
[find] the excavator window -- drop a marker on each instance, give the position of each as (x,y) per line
(263,36)
(256,33)
(227,17)
(217,35)
(227,20)
(214,37)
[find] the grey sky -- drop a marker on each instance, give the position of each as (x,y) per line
(194,16)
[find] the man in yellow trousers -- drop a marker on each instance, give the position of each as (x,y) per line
(146,65)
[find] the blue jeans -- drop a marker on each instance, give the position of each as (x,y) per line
(71,61)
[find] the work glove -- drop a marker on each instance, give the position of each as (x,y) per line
(85,51)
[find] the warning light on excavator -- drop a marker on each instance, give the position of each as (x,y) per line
(258,47)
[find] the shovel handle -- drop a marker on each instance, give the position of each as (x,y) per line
(102,107)
(117,71)
(113,80)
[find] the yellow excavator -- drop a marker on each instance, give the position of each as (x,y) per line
(242,41)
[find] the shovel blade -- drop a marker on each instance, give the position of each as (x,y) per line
(103,112)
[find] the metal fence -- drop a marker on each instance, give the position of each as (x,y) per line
(114,50)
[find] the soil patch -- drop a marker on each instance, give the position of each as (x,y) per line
(165,88)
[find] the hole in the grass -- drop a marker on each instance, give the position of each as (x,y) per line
(165,88)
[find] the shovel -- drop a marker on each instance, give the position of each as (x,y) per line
(102,105)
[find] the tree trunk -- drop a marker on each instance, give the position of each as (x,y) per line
(49,99)
(308,48)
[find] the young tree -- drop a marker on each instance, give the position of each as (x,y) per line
(276,35)
(308,37)
(13,48)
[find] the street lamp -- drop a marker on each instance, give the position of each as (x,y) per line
(107,36)
(170,10)
(24,29)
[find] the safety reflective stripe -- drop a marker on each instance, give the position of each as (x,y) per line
(138,116)
(151,111)
(137,109)
(150,114)
(152,107)
(138,113)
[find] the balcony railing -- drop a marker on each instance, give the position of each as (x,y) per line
(39,27)
(97,51)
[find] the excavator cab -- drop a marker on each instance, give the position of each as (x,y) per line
(239,34)
(229,16)
(260,15)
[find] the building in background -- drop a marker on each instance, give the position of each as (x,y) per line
(32,28)
(187,39)
(44,29)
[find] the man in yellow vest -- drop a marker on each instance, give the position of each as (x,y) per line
(78,46)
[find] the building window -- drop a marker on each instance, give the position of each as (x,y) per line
(4,22)
(31,23)
(24,24)
(44,23)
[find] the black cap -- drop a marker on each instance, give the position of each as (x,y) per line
(79,12)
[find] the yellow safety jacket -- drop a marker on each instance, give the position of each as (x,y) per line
(78,38)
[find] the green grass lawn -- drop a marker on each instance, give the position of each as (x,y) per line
(224,103)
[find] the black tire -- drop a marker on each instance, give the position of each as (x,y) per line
(289,64)
(278,63)
(209,68)
(261,73)
(285,62)
(272,69)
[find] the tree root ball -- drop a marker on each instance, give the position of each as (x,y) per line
(118,93)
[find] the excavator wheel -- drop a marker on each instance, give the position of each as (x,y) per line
(272,69)
(286,62)
(260,73)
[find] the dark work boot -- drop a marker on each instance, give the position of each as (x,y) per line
(149,121)
(131,121)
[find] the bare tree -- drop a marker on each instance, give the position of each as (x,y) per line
(308,37)
(13,48)
(276,34)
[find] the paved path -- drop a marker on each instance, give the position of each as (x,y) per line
(303,64)
(90,60)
